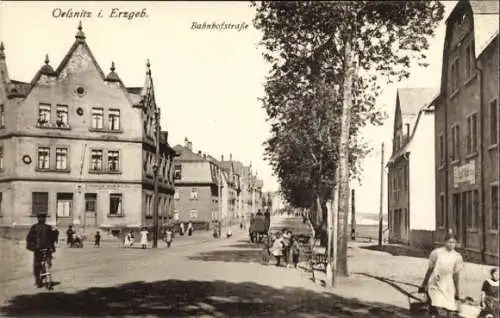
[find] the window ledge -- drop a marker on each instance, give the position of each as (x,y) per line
(53,170)
(470,79)
(492,147)
(471,155)
(455,162)
(104,130)
(53,126)
(472,230)
(115,215)
(104,172)
(491,231)
(454,94)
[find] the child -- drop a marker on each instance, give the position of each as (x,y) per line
(266,254)
(295,252)
(277,249)
(489,295)
(168,237)
(97,239)
(144,238)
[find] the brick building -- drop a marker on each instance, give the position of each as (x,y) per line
(78,144)
(411,210)
(466,131)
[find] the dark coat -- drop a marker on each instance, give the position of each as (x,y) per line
(41,236)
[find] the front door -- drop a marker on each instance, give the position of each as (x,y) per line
(90,209)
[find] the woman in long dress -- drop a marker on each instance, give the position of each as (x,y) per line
(441,281)
(144,238)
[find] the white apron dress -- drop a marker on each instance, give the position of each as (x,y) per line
(144,237)
(441,285)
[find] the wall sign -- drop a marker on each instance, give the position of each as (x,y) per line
(464,173)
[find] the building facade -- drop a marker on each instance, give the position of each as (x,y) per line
(232,193)
(197,184)
(73,144)
(466,124)
(411,210)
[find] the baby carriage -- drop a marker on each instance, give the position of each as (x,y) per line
(77,241)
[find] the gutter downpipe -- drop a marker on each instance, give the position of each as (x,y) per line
(479,68)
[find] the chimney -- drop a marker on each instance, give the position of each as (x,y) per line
(221,157)
(230,157)
(186,142)
(408,129)
(205,156)
(190,146)
(199,153)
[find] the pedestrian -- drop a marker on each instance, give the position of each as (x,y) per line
(69,236)
(41,239)
(266,254)
(295,252)
(144,238)
(287,241)
(229,232)
(190,229)
(277,249)
(182,229)
(441,281)
(168,237)
(129,239)
(489,295)
(97,239)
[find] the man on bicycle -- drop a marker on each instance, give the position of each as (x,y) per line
(41,239)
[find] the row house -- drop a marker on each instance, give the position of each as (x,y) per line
(411,211)
(467,132)
(208,189)
(77,144)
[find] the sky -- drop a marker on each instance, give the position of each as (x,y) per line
(207,82)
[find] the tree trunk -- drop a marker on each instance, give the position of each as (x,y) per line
(343,201)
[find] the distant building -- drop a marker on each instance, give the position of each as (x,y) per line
(232,179)
(77,144)
(467,137)
(411,178)
(197,186)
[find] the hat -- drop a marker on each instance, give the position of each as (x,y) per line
(41,214)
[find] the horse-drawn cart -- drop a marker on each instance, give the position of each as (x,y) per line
(259,227)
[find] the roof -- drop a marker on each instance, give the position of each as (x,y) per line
(186,154)
(486,21)
(411,100)
(422,108)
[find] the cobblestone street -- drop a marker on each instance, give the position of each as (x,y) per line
(201,276)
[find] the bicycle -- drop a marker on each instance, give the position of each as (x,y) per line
(45,266)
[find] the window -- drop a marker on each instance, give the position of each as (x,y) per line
(470,204)
(39,202)
(62,115)
(64,205)
(1,158)
(96,160)
(61,158)
(115,204)
(2,116)
(113,161)
(494,207)
(494,122)
(44,114)
(149,206)
(454,76)
(43,157)
(193,214)
(455,143)
(177,172)
(469,61)
(194,194)
(441,149)
(114,119)
(91,202)
(176,215)
(472,133)
(441,213)
(176,194)
(97,115)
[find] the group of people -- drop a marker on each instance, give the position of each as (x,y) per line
(283,246)
(441,283)
(168,236)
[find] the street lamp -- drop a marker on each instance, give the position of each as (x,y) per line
(155,170)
